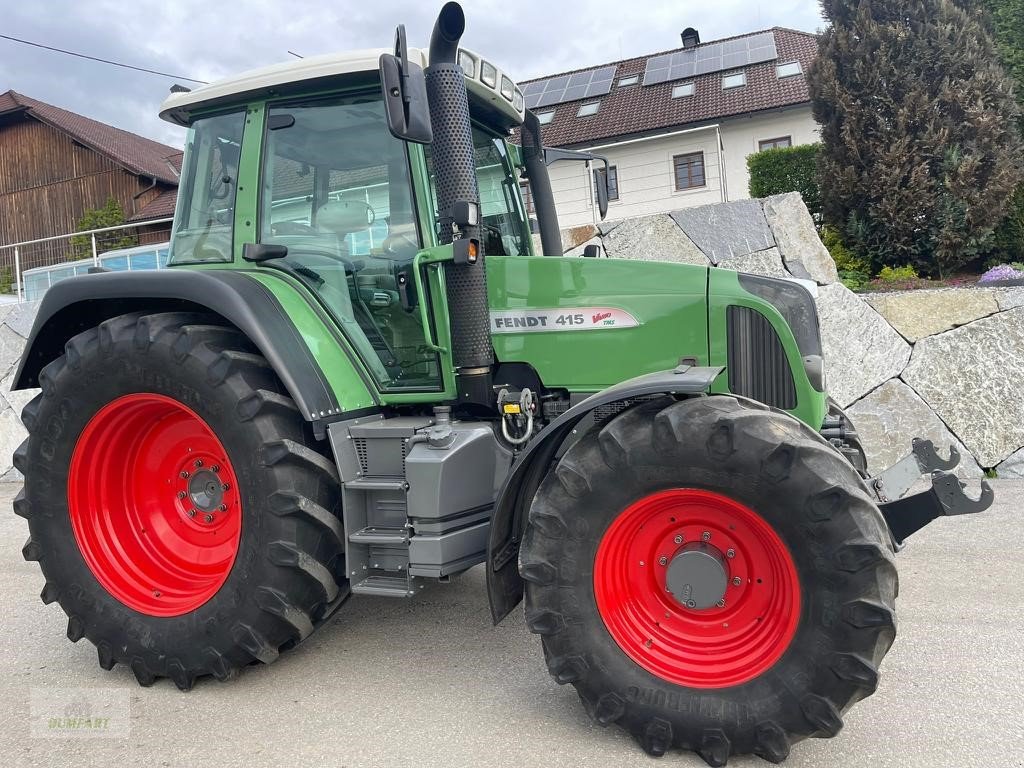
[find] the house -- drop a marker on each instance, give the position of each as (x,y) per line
(55,165)
(676,126)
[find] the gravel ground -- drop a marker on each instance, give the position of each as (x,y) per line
(431,683)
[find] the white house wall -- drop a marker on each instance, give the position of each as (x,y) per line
(741,137)
(645,170)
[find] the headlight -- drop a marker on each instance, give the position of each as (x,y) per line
(507,88)
(468,64)
(488,74)
(517,101)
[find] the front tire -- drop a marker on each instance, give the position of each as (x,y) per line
(711,576)
(178,505)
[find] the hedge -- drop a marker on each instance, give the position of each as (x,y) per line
(789,169)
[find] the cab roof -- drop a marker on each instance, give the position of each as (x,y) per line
(303,75)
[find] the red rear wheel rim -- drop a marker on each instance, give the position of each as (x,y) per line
(724,645)
(154,504)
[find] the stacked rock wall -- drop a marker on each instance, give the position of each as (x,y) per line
(943,364)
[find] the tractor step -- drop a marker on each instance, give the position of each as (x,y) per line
(377,484)
(372,535)
(383,586)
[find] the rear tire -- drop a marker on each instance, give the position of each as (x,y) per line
(773,662)
(127,403)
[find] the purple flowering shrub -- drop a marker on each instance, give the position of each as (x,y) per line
(1002,272)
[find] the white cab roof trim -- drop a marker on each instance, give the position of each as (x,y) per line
(177,106)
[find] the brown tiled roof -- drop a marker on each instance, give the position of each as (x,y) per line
(161,207)
(139,155)
(644,109)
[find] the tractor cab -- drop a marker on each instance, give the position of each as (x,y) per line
(341,205)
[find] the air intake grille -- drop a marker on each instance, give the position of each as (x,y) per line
(361,454)
(758,367)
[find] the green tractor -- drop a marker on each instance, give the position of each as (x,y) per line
(357,377)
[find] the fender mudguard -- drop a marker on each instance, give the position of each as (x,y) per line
(79,303)
(504,585)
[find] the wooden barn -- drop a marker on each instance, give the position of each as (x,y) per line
(55,165)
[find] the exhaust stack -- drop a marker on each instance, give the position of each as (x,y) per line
(455,179)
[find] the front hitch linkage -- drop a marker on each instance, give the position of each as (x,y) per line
(907,515)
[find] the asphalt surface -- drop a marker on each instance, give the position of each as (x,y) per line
(431,683)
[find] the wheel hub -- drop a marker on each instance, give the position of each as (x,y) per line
(204,488)
(698,576)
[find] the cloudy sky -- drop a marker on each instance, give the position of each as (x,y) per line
(209,39)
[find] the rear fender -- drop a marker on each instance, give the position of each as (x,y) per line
(74,305)
(504,585)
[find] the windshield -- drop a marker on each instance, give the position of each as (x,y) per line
(336,191)
(204,218)
(501,215)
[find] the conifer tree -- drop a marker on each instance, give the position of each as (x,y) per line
(921,149)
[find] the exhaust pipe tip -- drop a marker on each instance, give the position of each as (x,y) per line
(448,29)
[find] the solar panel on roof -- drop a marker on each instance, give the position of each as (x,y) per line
(713,57)
(579,85)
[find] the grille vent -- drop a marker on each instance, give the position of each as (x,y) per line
(758,367)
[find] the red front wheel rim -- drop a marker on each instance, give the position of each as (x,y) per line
(724,644)
(154,504)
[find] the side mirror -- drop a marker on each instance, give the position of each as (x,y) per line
(602,189)
(592,251)
(405,94)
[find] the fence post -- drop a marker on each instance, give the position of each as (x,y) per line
(17,271)
(95,257)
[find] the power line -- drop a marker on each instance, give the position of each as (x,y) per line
(102,61)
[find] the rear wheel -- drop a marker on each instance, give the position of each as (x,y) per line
(711,576)
(178,505)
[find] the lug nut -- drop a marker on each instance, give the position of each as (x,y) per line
(736,581)
(184,475)
(706,536)
(662,560)
(191,513)
(208,517)
(678,539)
(215,468)
(223,507)
(198,463)
(226,487)
(181,494)
(691,604)
(730,553)
(720,603)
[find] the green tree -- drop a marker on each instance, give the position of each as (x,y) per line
(1008,26)
(110,215)
(920,148)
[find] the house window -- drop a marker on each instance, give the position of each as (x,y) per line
(588,109)
(524,187)
(681,90)
(545,117)
(689,171)
(631,80)
(613,181)
(734,80)
(779,143)
(788,69)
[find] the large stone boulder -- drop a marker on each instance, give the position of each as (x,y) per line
(973,378)
(12,433)
(797,238)
(861,350)
(767,262)
(1010,298)
(651,238)
(888,418)
(573,237)
(916,314)
(724,230)
(1012,466)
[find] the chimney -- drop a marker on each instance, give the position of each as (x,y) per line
(691,37)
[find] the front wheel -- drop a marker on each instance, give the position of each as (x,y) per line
(711,576)
(177,503)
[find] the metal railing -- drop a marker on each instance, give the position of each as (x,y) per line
(52,251)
